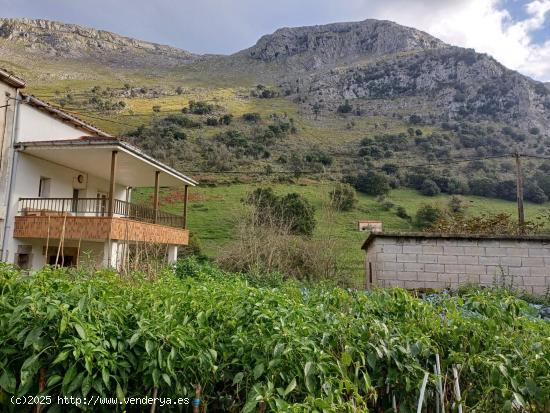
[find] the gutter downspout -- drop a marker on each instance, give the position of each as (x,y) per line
(15,135)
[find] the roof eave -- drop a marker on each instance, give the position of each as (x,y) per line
(11,79)
(114,144)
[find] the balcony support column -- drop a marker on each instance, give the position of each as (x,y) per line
(172,255)
(111,208)
(185,199)
(156,197)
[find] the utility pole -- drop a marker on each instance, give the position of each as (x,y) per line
(519,177)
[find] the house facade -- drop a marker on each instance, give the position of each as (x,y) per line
(66,189)
(439,261)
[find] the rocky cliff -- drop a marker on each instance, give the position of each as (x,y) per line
(71,41)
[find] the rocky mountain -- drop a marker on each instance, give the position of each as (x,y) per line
(362,69)
(52,39)
(319,47)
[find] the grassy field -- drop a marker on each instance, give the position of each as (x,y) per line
(215,211)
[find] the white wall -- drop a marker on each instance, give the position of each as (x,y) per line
(36,125)
(6,128)
(29,170)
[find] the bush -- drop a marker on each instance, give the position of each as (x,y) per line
(342,197)
(200,108)
(427,215)
(456,205)
(241,337)
(482,186)
(212,121)
(291,212)
(534,193)
(226,119)
(430,188)
(401,212)
(371,183)
(252,117)
(345,107)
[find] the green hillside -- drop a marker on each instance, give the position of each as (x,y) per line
(215,211)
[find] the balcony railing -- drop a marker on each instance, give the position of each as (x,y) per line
(94,207)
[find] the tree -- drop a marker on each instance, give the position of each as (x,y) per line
(372,183)
(482,187)
(428,215)
(345,107)
(298,213)
(291,211)
(253,117)
(506,190)
(342,197)
(429,188)
(534,193)
(456,205)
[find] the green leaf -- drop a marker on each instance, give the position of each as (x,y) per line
(278,350)
(166,378)
(69,377)
(149,346)
(63,324)
(86,385)
(250,405)
(80,331)
(134,339)
(258,370)
(8,382)
(53,380)
(291,386)
(61,357)
(28,370)
(105,376)
(119,393)
(32,337)
(346,359)
(213,353)
(238,378)
(307,368)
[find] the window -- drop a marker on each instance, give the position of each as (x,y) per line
(44,187)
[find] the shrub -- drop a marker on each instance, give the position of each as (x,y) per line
(156,108)
(345,107)
(401,212)
(534,193)
(200,108)
(212,121)
(226,119)
(252,117)
(482,186)
(372,183)
(430,188)
(291,211)
(456,205)
(427,215)
(342,197)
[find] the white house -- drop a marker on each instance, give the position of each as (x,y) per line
(65,188)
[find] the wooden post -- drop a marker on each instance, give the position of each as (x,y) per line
(519,177)
(156,197)
(112,184)
(185,199)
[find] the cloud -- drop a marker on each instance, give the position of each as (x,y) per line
(488,27)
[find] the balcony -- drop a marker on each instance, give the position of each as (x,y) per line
(92,219)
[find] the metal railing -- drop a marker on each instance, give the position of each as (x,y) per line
(96,207)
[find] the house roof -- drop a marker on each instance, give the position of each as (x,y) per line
(11,79)
(436,235)
(63,115)
(63,152)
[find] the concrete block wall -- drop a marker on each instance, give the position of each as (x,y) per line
(437,263)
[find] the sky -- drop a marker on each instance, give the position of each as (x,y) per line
(515,32)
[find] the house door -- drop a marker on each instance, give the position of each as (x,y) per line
(101,208)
